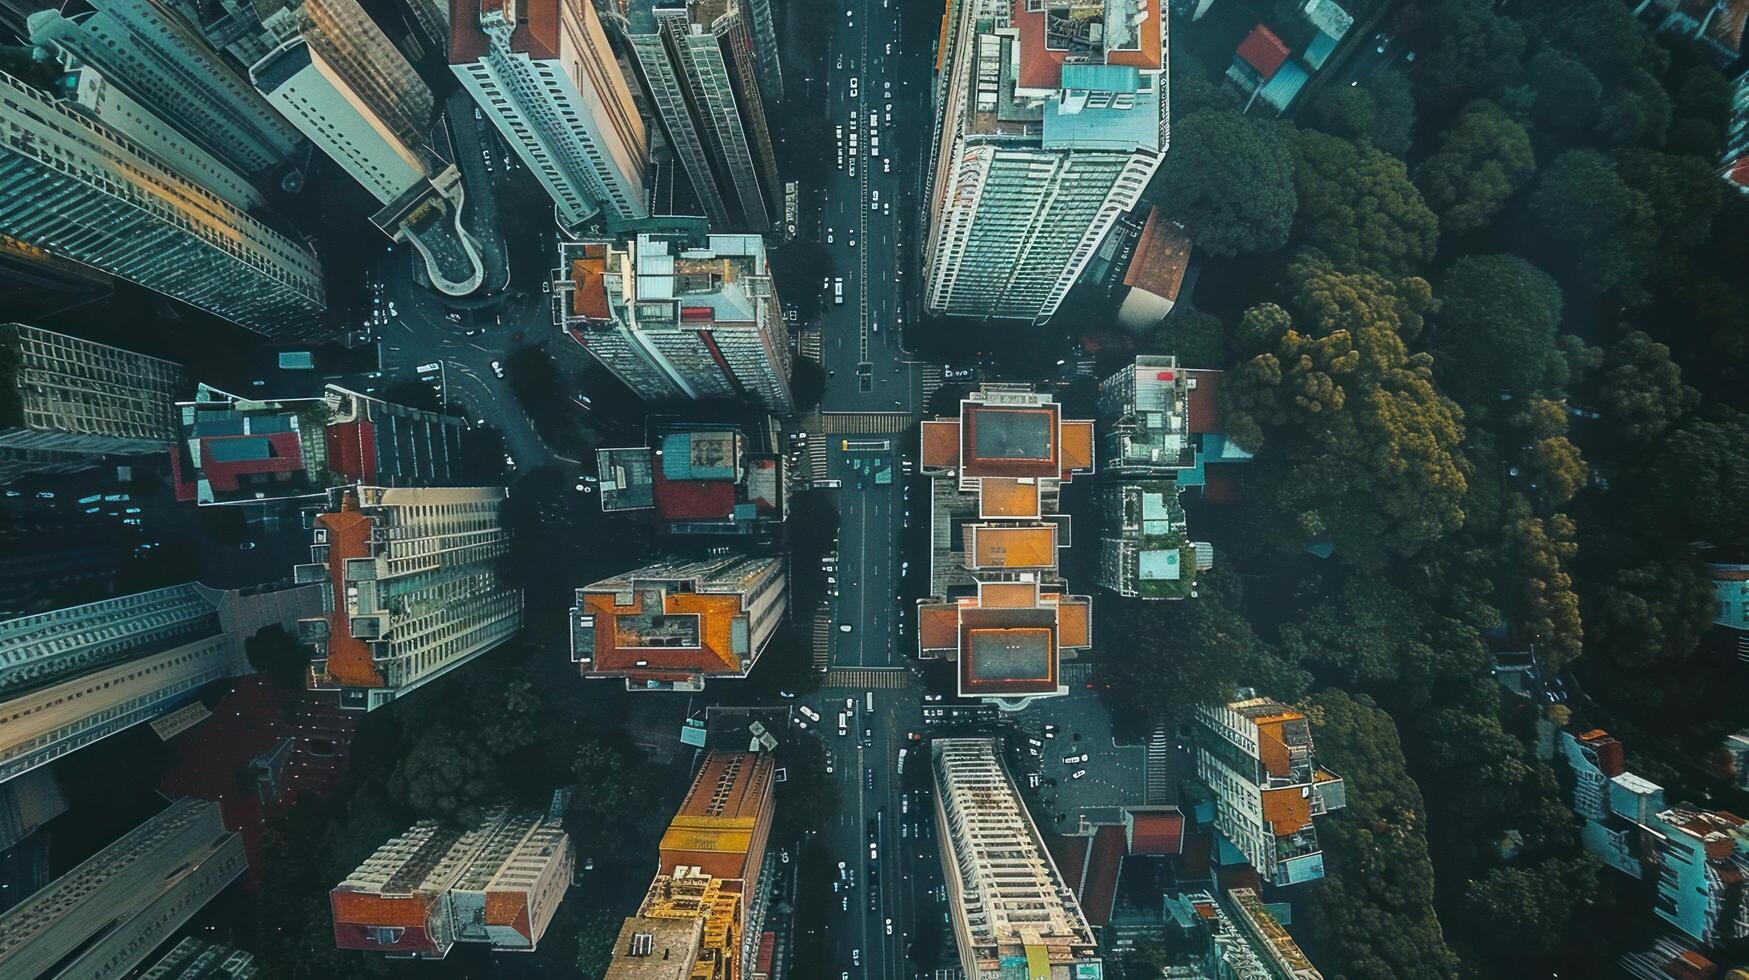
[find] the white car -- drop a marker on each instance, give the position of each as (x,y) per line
(853,86)
(1077,774)
(889,927)
(844,627)
(886,166)
(828,236)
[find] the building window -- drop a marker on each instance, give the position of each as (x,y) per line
(384,935)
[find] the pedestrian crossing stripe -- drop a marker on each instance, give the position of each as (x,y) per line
(865,423)
(861,678)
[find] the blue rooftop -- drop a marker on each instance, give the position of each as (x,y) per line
(1103,107)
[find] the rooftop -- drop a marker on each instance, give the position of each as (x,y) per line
(1262,51)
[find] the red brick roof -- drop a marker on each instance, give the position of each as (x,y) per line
(1162,254)
(1263,51)
(1205,408)
(1156,831)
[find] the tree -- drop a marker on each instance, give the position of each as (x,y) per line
(1699,481)
(1529,910)
(1468,51)
(445,777)
(1498,323)
(1232,182)
(1546,607)
(1374,912)
(1594,229)
(1557,469)
(278,656)
(1567,94)
(1649,612)
(807,382)
(1358,206)
(1483,159)
(1198,339)
(1347,111)
(1393,98)
(1683,191)
(1642,389)
(1636,110)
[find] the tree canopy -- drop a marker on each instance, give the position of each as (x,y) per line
(1483,159)
(1231,182)
(1358,206)
(1497,329)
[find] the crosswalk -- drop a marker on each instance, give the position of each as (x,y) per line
(822,637)
(931,381)
(817,459)
(864,423)
(1159,744)
(809,343)
(862,678)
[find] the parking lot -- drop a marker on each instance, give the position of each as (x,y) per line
(1115,775)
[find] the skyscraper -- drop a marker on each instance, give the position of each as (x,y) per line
(73,676)
(703,70)
(78,189)
(104,917)
(1255,755)
(543,72)
(410,588)
(679,315)
(1051,117)
(1008,901)
(160,61)
(675,624)
(66,402)
(351,113)
(498,882)
(234,450)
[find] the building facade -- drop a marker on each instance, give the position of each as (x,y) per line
(498,882)
(410,588)
(703,71)
(1008,902)
(1051,117)
(1241,940)
(674,625)
(161,62)
(80,190)
(679,315)
(195,959)
(65,402)
(543,72)
(1255,755)
(104,917)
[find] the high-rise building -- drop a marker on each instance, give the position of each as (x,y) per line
(160,61)
(699,477)
(410,588)
(679,315)
(702,71)
(104,917)
(234,450)
(1051,117)
(74,676)
(1008,901)
(1255,756)
(704,910)
(365,107)
(1241,940)
(673,625)
(78,189)
(66,402)
(498,882)
(998,604)
(197,959)
(1702,862)
(543,72)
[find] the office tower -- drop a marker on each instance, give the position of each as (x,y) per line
(675,624)
(701,70)
(78,189)
(86,89)
(1006,897)
(705,906)
(66,402)
(235,450)
(497,882)
(197,959)
(410,588)
(150,52)
(420,196)
(104,917)
(1255,755)
(999,606)
(678,315)
(698,477)
(1050,121)
(70,677)
(1146,445)
(433,18)
(542,71)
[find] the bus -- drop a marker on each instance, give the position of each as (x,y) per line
(870,703)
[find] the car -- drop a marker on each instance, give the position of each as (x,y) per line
(886,166)
(45,495)
(856,957)
(889,43)
(873,851)
(475,332)
(868,778)
(1077,774)
(844,904)
(1032,780)
(889,927)
(844,627)
(509,461)
(828,236)
(853,243)
(246,546)
(497,369)
(905,804)
(932,697)
(453,317)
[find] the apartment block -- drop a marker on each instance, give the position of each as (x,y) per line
(410,588)
(1240,939)
(1702,861)
(542,71)
(699,477)
(999,606)
(702,71)
(498,883)
(1050,119)
(674,625)
(679,315)
(1008,902)
(104,917)
(196,959)
(80,190)
(160,61)
(1255,756)
(237,450)
(66,402)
